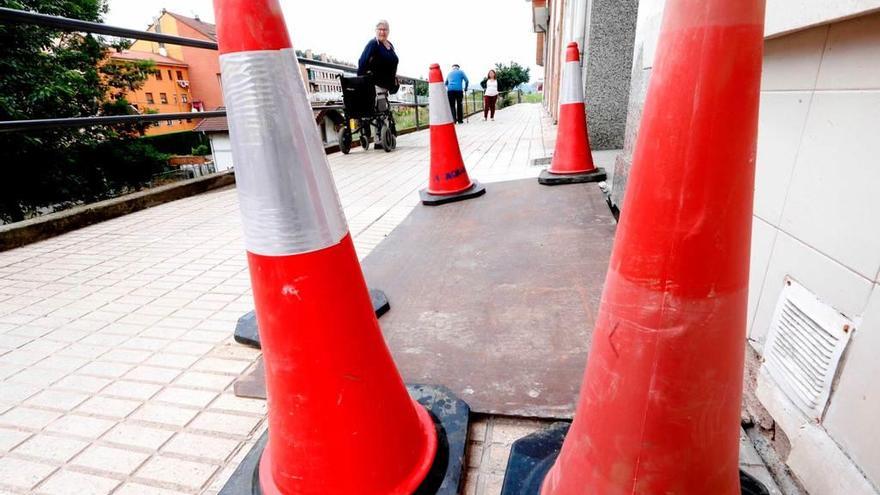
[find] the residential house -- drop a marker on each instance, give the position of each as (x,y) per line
(204,65)
(165,91)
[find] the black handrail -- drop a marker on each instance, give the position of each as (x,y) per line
(14,16)
(35,124)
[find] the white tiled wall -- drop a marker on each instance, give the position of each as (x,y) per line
(851,59)
(852,415)
(817,206)
(780,130)
(763,238)
(792,63)
(832,282)
(832,200)
(818,166)
(788,15)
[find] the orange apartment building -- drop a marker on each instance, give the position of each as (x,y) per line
(166,91)
(203,65)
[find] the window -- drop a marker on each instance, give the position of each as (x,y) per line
(179,75)
(169,75)
(163,98)
(219,80)
(184,98)
(175,99)
(150,98)
(170,122)
(159,75)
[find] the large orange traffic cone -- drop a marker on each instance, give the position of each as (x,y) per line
(448,180)
(659,407)
(340,418)
(248,333)
(572,161)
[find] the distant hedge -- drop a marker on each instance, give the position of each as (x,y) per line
(177,143)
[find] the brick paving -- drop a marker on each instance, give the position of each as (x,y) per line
(116,356)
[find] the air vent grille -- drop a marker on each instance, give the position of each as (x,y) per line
(804,346)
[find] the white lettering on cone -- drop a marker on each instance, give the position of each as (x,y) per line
(287,196)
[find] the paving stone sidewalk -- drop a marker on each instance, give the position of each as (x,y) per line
(116,356)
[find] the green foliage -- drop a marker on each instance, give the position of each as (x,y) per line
(506,99)
(510,76)
(123,76)
(46,73)
(201,150)
(421,88)
(533,98)
(177,143)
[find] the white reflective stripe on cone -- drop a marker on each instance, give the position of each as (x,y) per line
(438,109)
(572,84)
(288,200)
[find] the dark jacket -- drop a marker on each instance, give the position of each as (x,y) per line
(380,63)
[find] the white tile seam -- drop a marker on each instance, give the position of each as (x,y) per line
(822,91)
(819,251)
(751,322)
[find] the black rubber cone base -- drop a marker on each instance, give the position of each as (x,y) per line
(247,333)
(532,456)
(474,191)
(450,415)
(550,179)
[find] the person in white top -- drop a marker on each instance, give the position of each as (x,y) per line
(490,97)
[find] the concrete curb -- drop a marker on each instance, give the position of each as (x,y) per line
(37,229)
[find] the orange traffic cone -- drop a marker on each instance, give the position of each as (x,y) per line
(572,162)
(340,418)
(659,407)
(448,180)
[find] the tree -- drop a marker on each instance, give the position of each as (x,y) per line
(509,76)
(420,88)
(46,73)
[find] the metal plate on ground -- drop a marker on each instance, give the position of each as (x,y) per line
(495,297)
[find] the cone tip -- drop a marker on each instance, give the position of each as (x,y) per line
(435,74)
(572,53)
(268,32)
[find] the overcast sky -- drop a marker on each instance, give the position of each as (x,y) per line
(474,34)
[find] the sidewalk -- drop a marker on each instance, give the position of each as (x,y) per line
(116,351)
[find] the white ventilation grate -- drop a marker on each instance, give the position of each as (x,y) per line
(804,345)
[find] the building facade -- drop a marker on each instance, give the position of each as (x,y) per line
(204,65)
(604,31)
(814,296)
(165,91)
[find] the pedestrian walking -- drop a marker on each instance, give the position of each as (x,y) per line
(490,96)
(456,85)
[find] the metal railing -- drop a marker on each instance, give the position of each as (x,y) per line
(13,16)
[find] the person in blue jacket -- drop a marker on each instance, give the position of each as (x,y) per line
(456,85)
(379,60)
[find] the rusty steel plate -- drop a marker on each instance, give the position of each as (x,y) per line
(494,297)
